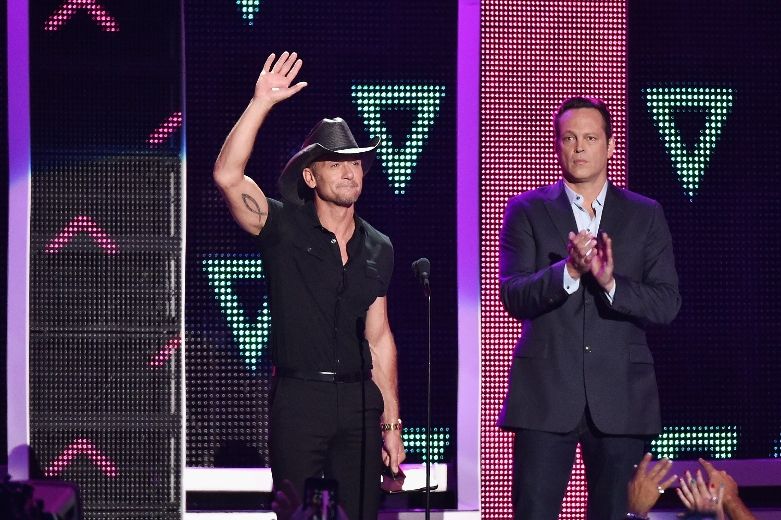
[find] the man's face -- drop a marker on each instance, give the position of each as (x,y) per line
(582,146)
(336,181)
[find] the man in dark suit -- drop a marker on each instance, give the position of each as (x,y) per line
(586,267)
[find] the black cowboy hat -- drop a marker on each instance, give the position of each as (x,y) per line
(329,137)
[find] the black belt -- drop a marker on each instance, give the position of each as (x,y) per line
(324,377)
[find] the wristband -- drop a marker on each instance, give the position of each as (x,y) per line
(386,427)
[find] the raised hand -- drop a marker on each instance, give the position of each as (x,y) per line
(601,264)
(717,479)
(274,82)
(646,486)
(698,498)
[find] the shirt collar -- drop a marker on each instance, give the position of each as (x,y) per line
(576,198)
(311,215)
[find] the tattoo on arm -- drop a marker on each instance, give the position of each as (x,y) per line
(253,206)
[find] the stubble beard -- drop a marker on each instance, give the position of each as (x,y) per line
(342,199)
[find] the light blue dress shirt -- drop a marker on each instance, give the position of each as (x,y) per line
(584,221)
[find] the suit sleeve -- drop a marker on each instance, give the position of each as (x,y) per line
(526,290)
(654,299)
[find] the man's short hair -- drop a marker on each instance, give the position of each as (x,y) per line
(584,102)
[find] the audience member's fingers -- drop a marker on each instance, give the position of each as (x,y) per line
(702,487)
(707,466)
(660,470)
(684,499)
(692,487)
(640,468)
(684,489)
(669,482)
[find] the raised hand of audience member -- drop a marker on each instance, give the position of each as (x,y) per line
(647,486)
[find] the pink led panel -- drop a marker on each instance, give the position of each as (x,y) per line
(81,447)
(65,12)
(166,352)
(82,224)
(533,55)
(161,134)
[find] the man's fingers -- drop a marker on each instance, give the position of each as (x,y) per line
(394,463)
(280,62)
(608,247)
(294,70)
(289,62)
(269,61)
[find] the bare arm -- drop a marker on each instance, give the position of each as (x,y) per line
(246,201)
(385,375)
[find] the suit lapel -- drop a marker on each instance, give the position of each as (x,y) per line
(560,211)
(613,216)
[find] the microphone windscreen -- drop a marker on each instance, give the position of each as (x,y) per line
(421,267)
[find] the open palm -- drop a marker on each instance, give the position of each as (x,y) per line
(274,82)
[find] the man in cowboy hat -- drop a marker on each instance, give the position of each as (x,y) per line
(334,410)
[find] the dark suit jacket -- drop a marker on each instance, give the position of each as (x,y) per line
(577,350)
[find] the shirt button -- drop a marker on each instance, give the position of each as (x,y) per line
(333,240)
(588,349)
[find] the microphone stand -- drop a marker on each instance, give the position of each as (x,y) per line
(427,293)
(422,268)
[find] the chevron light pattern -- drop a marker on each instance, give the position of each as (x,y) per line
(251,333)
(689,163)
(399,156)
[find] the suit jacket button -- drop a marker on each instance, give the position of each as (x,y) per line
(588,349)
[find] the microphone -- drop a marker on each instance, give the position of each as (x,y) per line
(422,269)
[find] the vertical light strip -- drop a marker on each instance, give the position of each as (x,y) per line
(183,264)
(18,234)
(468,268)
(534,54)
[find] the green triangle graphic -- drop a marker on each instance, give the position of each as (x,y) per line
(719,441)
(248,10)
(715,103)
(251,335)
(398,159)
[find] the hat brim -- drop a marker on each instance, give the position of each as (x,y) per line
(291,182)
